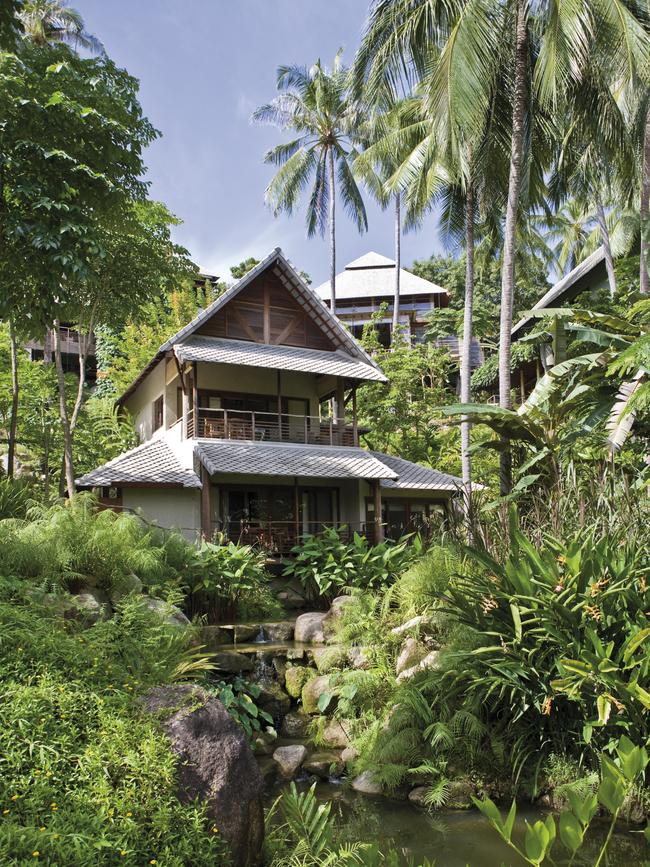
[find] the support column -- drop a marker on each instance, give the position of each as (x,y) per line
(296,510)
(355,423)
(379,527)
(195,400)
(340,408)
(206,505)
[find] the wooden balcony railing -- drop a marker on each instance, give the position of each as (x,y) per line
(235,424)
(279,537)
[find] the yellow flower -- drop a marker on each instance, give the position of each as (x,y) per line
(153,861)
(53,804)
(15,797)
(122,852)
(4,812)
(129,813)
(35,853)
(215,830)
(42,828)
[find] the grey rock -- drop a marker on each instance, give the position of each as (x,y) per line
(312,691)
(328,658)
(281,631)
(411,652)
(429,663)
(289,759)
(349,755)
(417,795)
(273,699)
(309,628)
(295,725)
(244,632)
(366,784)
(291,599)
(88,607)
(423,624)
(215,765)
(127,585)
(170,613)
(296,654)
(214,637)
(359,658)
(231,662)
(335,614)
(335,733)
(324,764)
(460,793)
(268,769)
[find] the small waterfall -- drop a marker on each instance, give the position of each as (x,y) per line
(261,636)
(263,672)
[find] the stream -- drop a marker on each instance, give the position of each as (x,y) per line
(453,838)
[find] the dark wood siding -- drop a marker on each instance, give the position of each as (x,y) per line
(265,312)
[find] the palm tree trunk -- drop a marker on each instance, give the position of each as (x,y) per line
(63,412)
(508,264)
(644,209)
(398,262)
(13,424)
(466,355)
(332,220)
(604,237)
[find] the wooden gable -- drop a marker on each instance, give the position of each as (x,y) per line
(265,312)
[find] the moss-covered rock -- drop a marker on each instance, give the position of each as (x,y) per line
(296,676)
(312,691)
(328,658)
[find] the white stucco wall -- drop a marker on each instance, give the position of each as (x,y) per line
(171,508)
(140,403)
(258,380)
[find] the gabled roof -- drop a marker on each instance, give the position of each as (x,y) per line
(280,459)
(152,463)
(416,477)
(225,351)
(583,276)
(295,285)
(373,275)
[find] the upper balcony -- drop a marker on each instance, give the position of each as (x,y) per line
(273,427)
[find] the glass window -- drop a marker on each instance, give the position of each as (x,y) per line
(158,408)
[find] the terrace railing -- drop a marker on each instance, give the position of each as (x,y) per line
(279,537)
(235,424)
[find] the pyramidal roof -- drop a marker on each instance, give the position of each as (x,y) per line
(373,275)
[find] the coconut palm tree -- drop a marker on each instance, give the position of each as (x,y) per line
(48,21)
(535,53)
(315,104)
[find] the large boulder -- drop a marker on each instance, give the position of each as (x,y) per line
(334,615)
(418,796)
(335,733)
(423,624)
(289,759)
(125,586)
(214,637)
(359,657)
(89,606)
(169,613)
(411,652)
(282,630)
(309,628)
(243,632)
(312,691)
(215,765)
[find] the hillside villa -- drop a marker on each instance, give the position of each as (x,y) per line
(248,425)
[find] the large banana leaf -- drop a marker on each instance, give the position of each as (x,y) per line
(622,416)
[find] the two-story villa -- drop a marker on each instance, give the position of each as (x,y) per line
(248,422)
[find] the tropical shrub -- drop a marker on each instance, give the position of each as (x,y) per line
(618,776)
(554,656)
(16,496)
(227,581)
(85,777)
(238,697)
(328,563)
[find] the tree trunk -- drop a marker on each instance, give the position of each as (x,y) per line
(330,157)
(398,260)
(63,412)
(644,209)
(604,237)
(508,264)
(466,355)
(13,424)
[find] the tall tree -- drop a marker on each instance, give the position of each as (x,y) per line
(46,22)
(535,53)
(315,104)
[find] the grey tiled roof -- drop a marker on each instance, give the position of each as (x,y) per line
(415,477)
(153,463)
(218,349)
(585,275)
(275,459)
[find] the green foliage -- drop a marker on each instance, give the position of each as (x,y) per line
(85,777)
(617,778)
(327,564)
(227,581)
(73,545)
(238,697)
(16,495)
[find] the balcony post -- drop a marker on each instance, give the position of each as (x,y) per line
(195,400)
(206,505)
(379,527)
(340,408)
(355,425)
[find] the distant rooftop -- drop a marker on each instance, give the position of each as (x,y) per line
(373,275)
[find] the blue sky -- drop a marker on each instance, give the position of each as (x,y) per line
(204,66)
